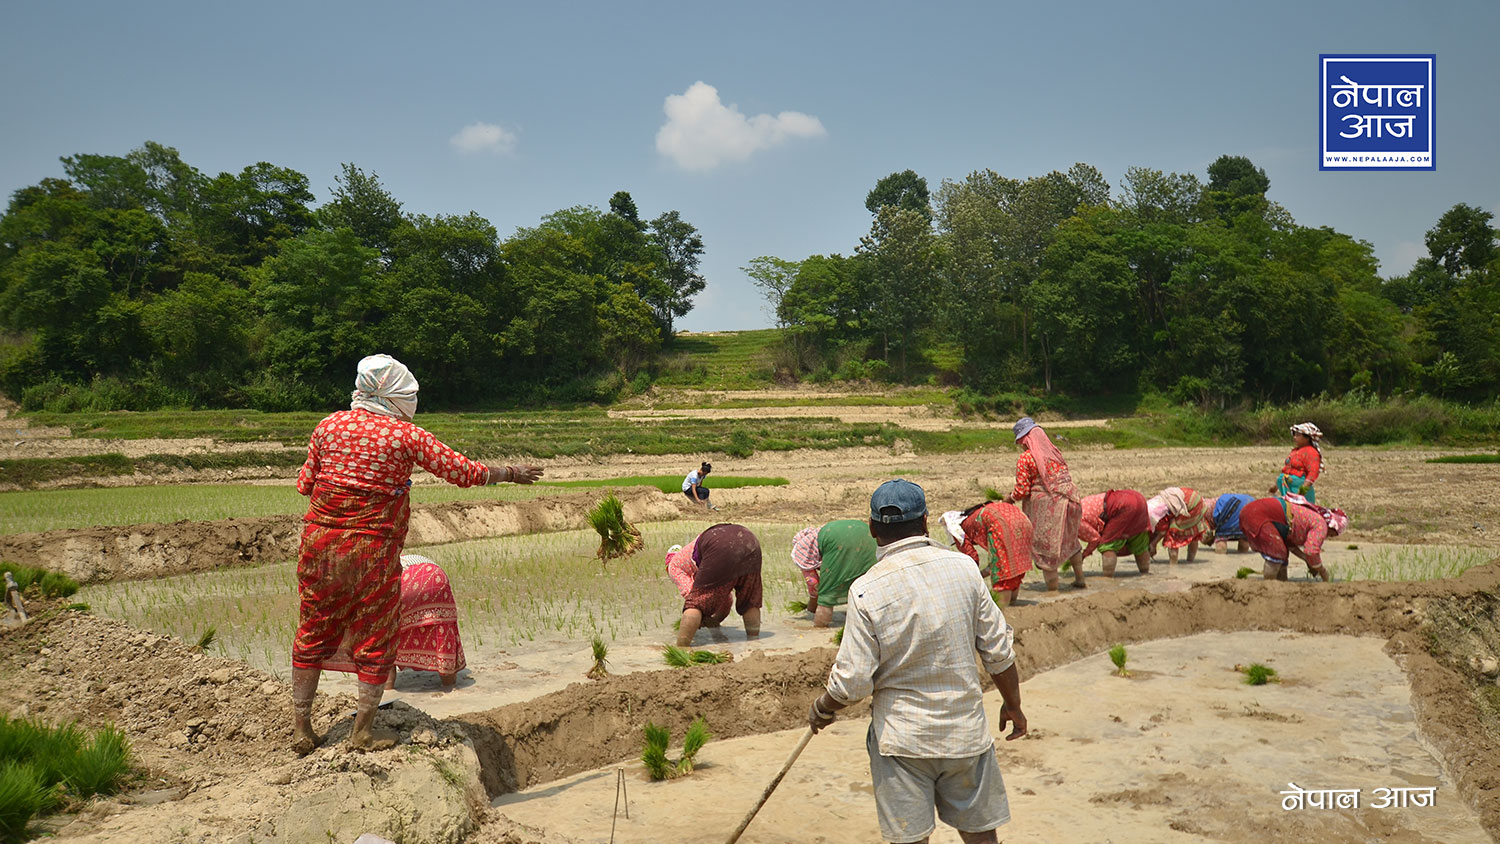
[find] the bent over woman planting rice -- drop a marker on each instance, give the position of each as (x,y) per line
(357,477)
(718,570)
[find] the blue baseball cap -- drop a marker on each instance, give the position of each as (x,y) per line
(903,495)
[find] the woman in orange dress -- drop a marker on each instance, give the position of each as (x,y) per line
(1045,491)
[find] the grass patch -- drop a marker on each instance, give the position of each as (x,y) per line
(1466,458)
(71,509)
(665,483)
(50,584)
(1411,563)
(727,360)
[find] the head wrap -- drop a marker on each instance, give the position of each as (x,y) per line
(1023,426)
(953,521)
(1309,430)
(1036,441)
(385,386)
(409,560)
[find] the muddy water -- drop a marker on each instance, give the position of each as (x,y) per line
(1182,750)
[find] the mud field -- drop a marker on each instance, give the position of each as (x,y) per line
(1385,684)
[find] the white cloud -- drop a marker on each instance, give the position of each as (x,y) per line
(701,132)
(484,137)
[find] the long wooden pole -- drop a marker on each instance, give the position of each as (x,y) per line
(766,795)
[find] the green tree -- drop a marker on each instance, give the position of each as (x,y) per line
(363,205)
(903,263)
(681,250)
(905,190)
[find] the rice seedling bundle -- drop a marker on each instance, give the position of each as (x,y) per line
(1257,674)
(1118,657)
(654,750)
(1244,572)
(617,537)
(796,606)
(682,657)
(600,670)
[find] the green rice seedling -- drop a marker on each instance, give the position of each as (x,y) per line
(24,576)
(992,494)
(1118,657)
(697,736)
(838,636)
(1353,547)
(601,652)
(100,766)
(654,752)
(1243,572)
(206,640)
(617,537)
(682,657)
(1257,674)
(22,796)
(796,606)
(56,585)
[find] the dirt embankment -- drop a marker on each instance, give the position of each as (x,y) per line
(140,551)
(588,725)
(212,735)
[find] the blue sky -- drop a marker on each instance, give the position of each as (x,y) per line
(567,102)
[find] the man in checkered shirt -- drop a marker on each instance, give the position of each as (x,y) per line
(914,623)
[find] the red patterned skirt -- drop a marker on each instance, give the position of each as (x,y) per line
(427,635)
(349,581)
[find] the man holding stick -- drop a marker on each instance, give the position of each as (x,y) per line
(914,622)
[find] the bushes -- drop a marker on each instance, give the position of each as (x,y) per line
(48,767)
(50,583)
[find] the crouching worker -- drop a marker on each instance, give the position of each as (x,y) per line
(1279,529)
(997,536)
(915,621)
(1226,520)
(718,570)
(830,557)
(1116,521)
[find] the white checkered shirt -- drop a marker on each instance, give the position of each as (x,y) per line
(915,620)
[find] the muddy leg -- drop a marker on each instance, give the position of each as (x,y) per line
(1320,571)
(1222,546)
(304,690)
(1107,562)
(1143,562)
(1051,579)
(1243,547)
(448,680)
(1172,556)
(978,837)
(688,628)
(1077,561)
(390,683)
(365,736)
(1192,550)
(752,622)
(823,616)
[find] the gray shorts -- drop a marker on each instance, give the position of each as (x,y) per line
(968,793)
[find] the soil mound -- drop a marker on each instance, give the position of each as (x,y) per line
(586,726)
(132,552)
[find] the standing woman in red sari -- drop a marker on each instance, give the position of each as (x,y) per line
(357,477)
(1045,491)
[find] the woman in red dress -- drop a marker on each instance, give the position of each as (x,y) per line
(357,477)
(1046,494)
(998,537)
(427,632)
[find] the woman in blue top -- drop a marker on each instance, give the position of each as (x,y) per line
(1225,516)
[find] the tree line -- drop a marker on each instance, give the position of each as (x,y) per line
(1208,292)
(138,281)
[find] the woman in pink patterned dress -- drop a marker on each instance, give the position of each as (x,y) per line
(427,633)
(1045,491)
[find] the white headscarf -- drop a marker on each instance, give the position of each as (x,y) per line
(409,560)
(953,521)
(385,386)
